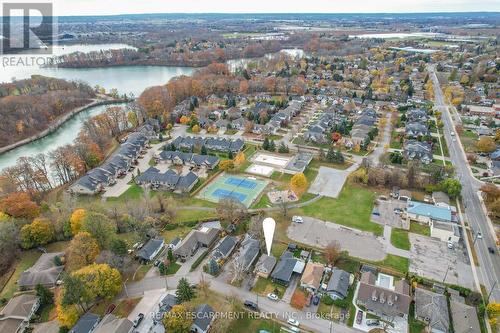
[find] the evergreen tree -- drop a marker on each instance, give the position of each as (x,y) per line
(265,144)
(283,149)
(330,155)
(230,155)
(272,145)
(46,296)
(213,267)
(203,150)
(339,158)
(321,154)
(185,291)
(170,256)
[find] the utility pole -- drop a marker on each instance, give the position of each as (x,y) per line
(489,295)
(446,274)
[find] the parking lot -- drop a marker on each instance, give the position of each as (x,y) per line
(431,258)
(329,181)
(385,209)
(318,233)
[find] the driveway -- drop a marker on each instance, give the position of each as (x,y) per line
(318,233)
(147,306)
(388,216)
(431,258)
(329,181)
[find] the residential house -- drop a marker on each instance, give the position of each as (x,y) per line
(463,316)
(265,266)
(225,247)
(417,115)
(248,252)
(311,278)
(286,266)
(212,143)
(167,303)
(113,324)
(416,150)
(416,129)
(338,285)
(86,324)
(45,272)
(204,237)
(432,309)
(425,213)
(204,316)
(151,249)
(384,300)
(172,245)
(169,180)
(195,160)
(16,315)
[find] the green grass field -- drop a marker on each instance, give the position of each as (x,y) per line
(420,229)
(353,208)
(399,238)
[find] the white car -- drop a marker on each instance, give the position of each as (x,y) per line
(297,219)
(479,235)
(293,322)
(273,297)
(452,133)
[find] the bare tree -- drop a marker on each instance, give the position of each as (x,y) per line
(332,252)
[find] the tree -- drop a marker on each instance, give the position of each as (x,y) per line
(118,246)
(491,192)
(298,183)
(8,244)
(230,210)
(185,292)
(178,320)
(19,205)
(67,316)
(170,256)
(265,144)
(272,145)
(239,159)
(227,165)
(336,136)
(451,186)
(283,149)
(39,232)
(203,150)
(46,296)
(100,227)
(486,145)
(195,128)
(332,253)
(82,251)
(299,299)
(76,220)
(100,281)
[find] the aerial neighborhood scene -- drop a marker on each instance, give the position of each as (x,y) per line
(259,167)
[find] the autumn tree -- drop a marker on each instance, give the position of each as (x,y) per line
(177,319)
(100,227)
(227,165)
(100,281)
(230,210)
(486,145)
(68,315)
(298,183)
(299,299)
(19,205)
(491,192)
(332,253)
(239,159)
(39,232)
(82,251)
(76,220)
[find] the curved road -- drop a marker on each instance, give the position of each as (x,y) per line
(489,264)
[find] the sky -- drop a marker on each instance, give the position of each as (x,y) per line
(113,7)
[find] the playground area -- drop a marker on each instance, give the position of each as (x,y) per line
(277,197)
(242,188)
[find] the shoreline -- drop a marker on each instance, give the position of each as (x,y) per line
(58,123)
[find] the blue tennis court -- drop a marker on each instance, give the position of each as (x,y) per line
(222,193)
(241,182)
(241,188)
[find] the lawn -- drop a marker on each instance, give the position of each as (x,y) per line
(141,272)
(397,263)
(420,229)
(266,286)
(469,139)
(125,307)
(188,215)
(250,324)
(278,248)
(263,202)
(353,208)
(173,268)
(399,238)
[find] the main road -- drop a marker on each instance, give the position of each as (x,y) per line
(489,264)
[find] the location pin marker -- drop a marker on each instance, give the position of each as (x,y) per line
(268,225)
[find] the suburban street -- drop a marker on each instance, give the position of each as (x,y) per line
(269,309)
(489,264)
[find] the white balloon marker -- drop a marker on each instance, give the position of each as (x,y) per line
(269,225)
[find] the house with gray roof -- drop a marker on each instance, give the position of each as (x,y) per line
(113,324)
(45,272)
(169,180)
(416,150)
(416,129)
(15,316)
(151,249)
(248,252)
(432,309)
(204,315)
(286,266)
(464,317)
(265,266)
(204,237)
(86,324)
(417,115)
(167,303)
(225,247)
(338,285)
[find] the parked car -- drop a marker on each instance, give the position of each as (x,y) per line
(479,235)
(251,305)
(273,297)
(138,320)
(316,300)
(293,329)
(372,322)
(491,250)
(297,219)
(293,322)
(359,317)
(450,244)
(398,211)
(157,263)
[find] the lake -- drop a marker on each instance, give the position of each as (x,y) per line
(127,79)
